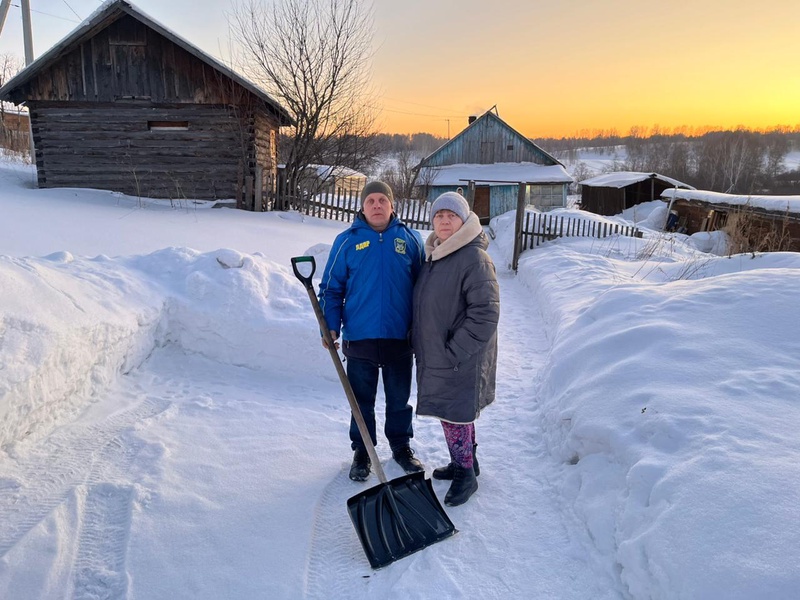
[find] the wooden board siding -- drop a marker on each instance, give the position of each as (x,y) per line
(265,140)
(14,131)
(503,199)
(603,200)
(613,200)
(487,141)
(111,147)
(129,61)
(697,216)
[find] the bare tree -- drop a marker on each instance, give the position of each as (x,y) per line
(10,65)
(12,135)
(730,161)
(314,57)
(401,175)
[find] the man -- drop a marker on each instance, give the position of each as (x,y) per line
(367,290)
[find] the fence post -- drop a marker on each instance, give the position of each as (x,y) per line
(248,192)
(258,203)
(471,195)
(517,225)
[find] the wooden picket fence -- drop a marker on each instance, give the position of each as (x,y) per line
(342,206)
(541,227)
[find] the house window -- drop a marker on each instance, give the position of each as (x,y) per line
(545,196)
(168,125)
(510,147)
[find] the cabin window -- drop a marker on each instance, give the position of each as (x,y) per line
(510,147)
(168,125)
(545,196)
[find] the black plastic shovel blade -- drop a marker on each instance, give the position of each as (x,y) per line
(397,518)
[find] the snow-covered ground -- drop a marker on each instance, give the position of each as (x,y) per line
(170,426)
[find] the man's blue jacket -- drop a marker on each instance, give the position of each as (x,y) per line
(368,282)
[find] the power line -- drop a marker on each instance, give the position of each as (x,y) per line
(73,10)
(403,112)
(448,110)
(50,14)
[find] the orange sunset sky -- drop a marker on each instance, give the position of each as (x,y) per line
(553,68)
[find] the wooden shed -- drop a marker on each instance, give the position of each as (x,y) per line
(332,180)
(496,159)
(125,104)
(612,193)
(755,223)
(14,130)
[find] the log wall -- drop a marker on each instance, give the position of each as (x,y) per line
(131,149)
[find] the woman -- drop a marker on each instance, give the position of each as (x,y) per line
(456,309)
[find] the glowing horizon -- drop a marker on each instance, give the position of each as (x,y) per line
(552,69)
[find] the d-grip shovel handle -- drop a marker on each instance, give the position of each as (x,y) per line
(306,280)
(337,362)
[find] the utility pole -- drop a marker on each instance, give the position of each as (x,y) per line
(3,13)
(25,5)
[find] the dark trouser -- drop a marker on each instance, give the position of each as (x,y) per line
(396,374)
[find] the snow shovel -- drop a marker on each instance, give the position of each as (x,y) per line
(397,517)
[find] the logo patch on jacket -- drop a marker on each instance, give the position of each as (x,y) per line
(362,245)
(399,246)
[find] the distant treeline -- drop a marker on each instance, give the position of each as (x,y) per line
(420,144)
(742,161)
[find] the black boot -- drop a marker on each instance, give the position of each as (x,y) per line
(464,485)
(447,472)
(404,456)
(359,470)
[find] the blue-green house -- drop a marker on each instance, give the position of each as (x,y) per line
(496,159)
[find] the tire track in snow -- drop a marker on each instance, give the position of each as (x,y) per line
(72,456)
(99,568)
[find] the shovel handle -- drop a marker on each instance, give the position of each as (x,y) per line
(337,362)
(306,280)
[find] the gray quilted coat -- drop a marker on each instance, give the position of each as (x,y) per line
(454,334)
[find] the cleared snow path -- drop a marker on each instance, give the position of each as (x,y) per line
(196,479)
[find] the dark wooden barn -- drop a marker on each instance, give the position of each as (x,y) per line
(124,104)
(611,193)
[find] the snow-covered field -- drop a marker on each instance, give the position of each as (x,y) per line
(170,426)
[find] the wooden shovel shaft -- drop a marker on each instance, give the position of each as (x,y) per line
(348,390)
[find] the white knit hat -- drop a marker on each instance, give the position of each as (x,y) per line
(452,201)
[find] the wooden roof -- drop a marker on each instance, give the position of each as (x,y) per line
(107,14)
(475,125)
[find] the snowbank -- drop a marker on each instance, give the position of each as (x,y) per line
(674,448)
(50,365)
(97,318)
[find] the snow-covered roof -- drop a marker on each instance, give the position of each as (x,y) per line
(789,204)
(621,179)
(495,174)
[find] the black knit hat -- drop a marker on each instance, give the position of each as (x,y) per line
(377,187)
